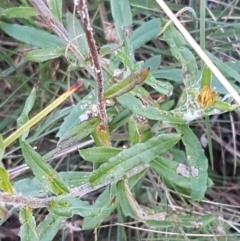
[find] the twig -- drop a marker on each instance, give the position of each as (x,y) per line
(82,10)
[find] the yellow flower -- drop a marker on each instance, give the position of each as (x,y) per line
(206,97)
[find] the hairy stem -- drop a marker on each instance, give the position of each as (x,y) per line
(82,9)
(20,200)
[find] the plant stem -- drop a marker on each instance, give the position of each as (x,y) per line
(20,200)
(81,6)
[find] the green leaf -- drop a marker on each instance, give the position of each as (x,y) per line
(122,16)
(80,109)
(197,163)
(76,30)
(56,8)
(29,35)
(126,160)
(78,132)
(127,84)
(26,110)
(49,227)
(42,170)
(125,59)
(119,120)
(99,154)
(19,12)
(186,220)
(176,75)
(145,33)
(134,135)
(222,105)
(150,112)
(168,74)
(184,56)
(109,49)
(106,203)
(224,67)
(74,178)
(73,136)
(153,63)
(5,183)
(124,202)
(33,188)
(28,225)
(68,206)
(162,87)
(206,77)
(41,55)
(166,168)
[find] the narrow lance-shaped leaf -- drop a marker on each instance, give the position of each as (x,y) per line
(126,160)
(145,33)
(162,87)
(73,118)
(107,201)
(23,119)
(45,174)
(68,206)
(41,55)
(125,59)
(109,48)
(73,136)
(49,227)
(184,56)
(127,84)
(28,225)
(122,15)
(184,220)
(166,168)
(125,201)
(225,68)
(222,105)
(56,8)
(75,31)
(197,166)
(99,154)
(134,135)
(32,36)
(19,12)
(150,112)
(78,132)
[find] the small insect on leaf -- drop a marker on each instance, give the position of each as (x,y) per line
(206,97)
